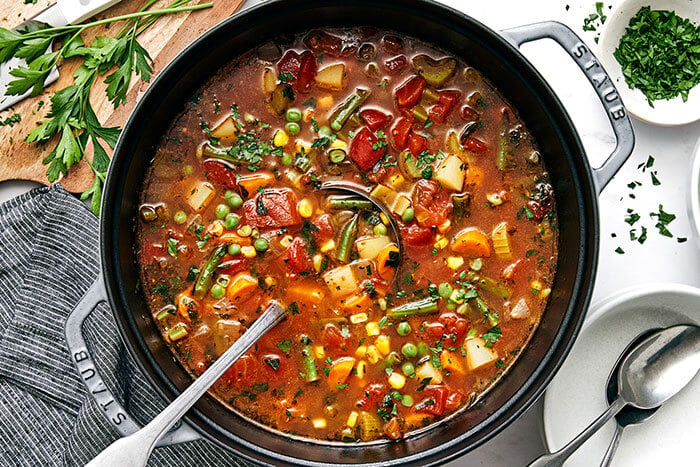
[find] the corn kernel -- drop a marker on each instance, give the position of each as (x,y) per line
(317,261)
(385,220)
(319,423)
(361,351)
(441,243)
(457,296)
(307,115)
(397,380)
(372,328)
(361,369)
(319,351)
(373,354)
(382,304)
(545,293)
(445,226)
(455,262)
(270,281)
(328,246)
(338,144)
(215,229)
(382,344)
(395,181)
(286,241)
(358,318)
(352,419)
(536,285)
(305,208)
(248,251)
(325,102)
(280,138)
(200,151)
(245,231)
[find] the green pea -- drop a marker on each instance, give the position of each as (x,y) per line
(231,221)
(222,211)
(380,229)
(445,290)
(188,169)
(180,217)
(408,369)
(407,401)
(408,215)
(404,329)
(217,291)
(336,156)
(293,114)
(409,350)
(234,249)
(292,128)
(423,349)
(235,200)
(287,158)
(324,131)
(261,245)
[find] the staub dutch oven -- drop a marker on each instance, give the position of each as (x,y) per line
(496,55)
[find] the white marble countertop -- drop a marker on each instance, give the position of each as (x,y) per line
(659,259)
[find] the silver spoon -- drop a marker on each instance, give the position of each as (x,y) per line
(628,415)
(135,449)
(652,373)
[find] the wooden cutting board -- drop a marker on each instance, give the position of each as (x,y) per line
(163,40)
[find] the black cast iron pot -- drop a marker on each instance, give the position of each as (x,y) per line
(496,55)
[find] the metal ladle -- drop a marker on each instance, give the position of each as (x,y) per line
(652,373)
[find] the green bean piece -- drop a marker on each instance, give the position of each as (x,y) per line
(336,156)
(310,372)
(461,205)
(293,114)
(342,202)
(420,113)
(407,401)
(221,152)
(304,163)
(424,306)
(347,239)
(292,128)
(347,108)
(490,285)
(206,275)
(503,150)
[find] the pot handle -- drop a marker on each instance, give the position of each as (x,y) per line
(81,357)
(599,79)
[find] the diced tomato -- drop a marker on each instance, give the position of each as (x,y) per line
(475,145)
(416,143)
(469,114)
(537,210)
(373,394)
(416,235)
(152,250)
(220,172)
(510,270)
(408,93)
(435,330)
(374,119)
(399,133)
(396,64)
(438,396)
(325,227)
(242,373)
(323,42)
(453,401)
(302,67)
(297,257)
(272,208)
(453,325)
(362,150)
(446,102)
(332,338)
(392,44)
(431,203)
(393,428)
(233,266)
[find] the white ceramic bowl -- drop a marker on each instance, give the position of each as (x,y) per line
(577,394)
(665,112)
(694,193)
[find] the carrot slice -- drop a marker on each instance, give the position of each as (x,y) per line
(252,182)
(471,242)
(386,262)
(340,371)
(241,286)
(357,303)
(305,294)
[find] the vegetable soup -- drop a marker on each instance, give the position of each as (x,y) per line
(379,340)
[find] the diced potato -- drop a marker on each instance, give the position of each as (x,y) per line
(227,332)
(400,204)
(478,355)
(200,196)
(341,281)
(319,423)
(426,370)
(225,131)
(501,241)
(358,318)
(269,80)
(385,194)
(451,173)
(455,262)
(370,246)
(305,294)
(331,77)
(373,354)
(395,181)
(520,310)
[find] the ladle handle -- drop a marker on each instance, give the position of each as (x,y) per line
(557,458)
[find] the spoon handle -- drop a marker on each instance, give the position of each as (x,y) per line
(557,458)
(614,442)
(135,449)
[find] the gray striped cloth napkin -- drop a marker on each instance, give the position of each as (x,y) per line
(49,253)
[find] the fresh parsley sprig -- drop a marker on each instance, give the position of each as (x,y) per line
(71,119)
